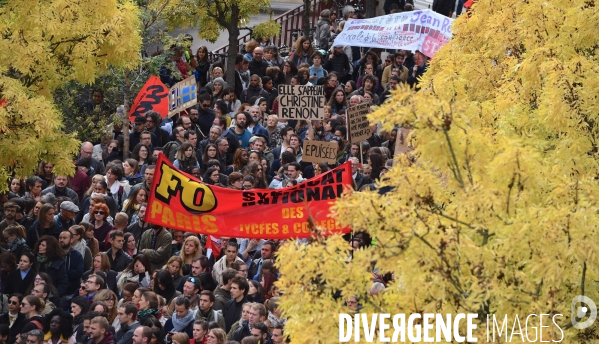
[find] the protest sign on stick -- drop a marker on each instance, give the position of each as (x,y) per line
(301,102)
(182,95)
(320,151)
(357,123)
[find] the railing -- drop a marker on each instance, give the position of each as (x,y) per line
(289,21)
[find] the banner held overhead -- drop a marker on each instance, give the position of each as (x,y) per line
(152,96)
(179,201)
(422,30)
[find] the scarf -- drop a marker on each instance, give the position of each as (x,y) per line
(15,244)
(78,320)
(179,324)
(41,259)
(153,312)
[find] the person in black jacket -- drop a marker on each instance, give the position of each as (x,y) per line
(14,318)
(339,63)
(32,307)
(258,65)
(253,90)
(44,225)
(49,258)
(418,70)
(74,266)
(153,121)
(21,279)
(233,308)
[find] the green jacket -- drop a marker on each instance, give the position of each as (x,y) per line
(162,252)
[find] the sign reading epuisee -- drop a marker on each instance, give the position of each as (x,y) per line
(320,151)
(301,102)
(357,122)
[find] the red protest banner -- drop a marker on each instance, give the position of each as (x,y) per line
(152,96)
(179,201)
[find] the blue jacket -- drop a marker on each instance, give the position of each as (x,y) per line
(74,266)
(259,129)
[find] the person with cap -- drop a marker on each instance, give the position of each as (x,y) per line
(66,218)
(140,127)
(323,32)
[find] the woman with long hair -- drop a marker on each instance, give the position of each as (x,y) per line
(256,170)
(58,327)
(191,249)
(233,104)
(303,51)
(49,259)
(164,286)
(255,292)
(218,85)
(101,267)
(79,245)
(131,204)
(45,171)
(34,187)
(44,225)
(203,67)
(240,160)
(88,237)
(141,153)
(174,266)
(131,170)
(101,225)
(338,102)
(138,271)
(216,336)
(34,212)
(289,70)
(148,307)
(109,298)
(210,152)
(185,158)
(130,246)
(17,186)
(376,162)
(32,307)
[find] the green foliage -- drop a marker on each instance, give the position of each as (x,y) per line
(498,213)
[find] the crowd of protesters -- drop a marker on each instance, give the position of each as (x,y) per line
(80,265)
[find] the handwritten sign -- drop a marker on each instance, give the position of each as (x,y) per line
(182,95)
(152,96)
(320,151)
(357,121)
(301,102)
(422,30)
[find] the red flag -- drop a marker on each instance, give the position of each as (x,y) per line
(152,96)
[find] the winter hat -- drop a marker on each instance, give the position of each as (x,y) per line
(220,81)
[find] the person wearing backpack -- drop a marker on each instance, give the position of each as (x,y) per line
(32,307)
(206,312)
(323,30)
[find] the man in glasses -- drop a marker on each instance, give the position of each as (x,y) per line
(92,285)
(398,60)
(139,126)
(206,310)
(221,122)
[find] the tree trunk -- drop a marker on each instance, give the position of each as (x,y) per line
(307,26)
(126,115)
(233,30)
(369,8)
